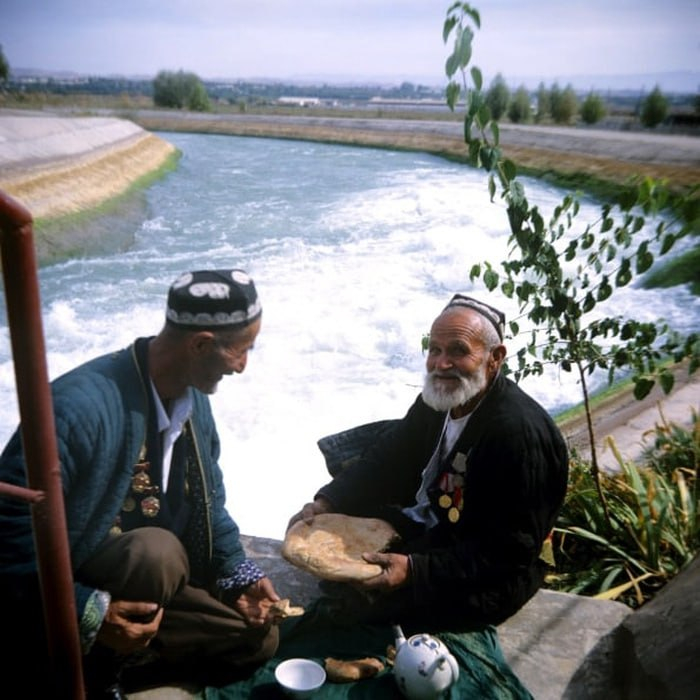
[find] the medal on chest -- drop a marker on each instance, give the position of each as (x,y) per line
(143,494)
(451,488)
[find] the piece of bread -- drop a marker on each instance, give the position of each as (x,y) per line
(332,546)
(341,671)
(283,609)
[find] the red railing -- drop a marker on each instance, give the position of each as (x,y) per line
(44,492)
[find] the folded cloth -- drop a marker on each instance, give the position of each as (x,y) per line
(483,670)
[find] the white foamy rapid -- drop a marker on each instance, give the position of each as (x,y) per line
(353,252)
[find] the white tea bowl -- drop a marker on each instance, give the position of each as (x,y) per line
(300,678)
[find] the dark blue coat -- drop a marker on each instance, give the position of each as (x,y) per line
(101,414)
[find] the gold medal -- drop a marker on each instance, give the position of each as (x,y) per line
(453,515)
(129,504)
(444,501)
(150,506)
(116,528)
(140,482)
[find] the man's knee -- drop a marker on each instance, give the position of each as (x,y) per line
(144,564)
(156,546)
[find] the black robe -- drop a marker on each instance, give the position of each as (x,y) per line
(482,566)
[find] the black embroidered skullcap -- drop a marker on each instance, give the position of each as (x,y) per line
(213,299)
(497,318)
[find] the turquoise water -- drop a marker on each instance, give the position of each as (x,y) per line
(353,251)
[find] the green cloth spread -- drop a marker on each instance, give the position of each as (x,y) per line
(483,671)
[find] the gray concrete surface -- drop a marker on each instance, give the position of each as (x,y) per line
(30,139)
(634,146)
(629,424)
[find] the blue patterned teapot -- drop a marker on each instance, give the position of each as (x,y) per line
(424,668)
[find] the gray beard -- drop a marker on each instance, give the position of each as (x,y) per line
(442,399)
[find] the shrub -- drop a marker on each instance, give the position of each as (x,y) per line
(592,109)
(178,90)
(654,109)
(497,97)
(519,110)
(543,103)
(563,104)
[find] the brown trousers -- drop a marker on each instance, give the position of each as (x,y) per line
(150,564)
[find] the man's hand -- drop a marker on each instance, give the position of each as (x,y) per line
(255,601)
(129,626)
(310,510)
(396,572)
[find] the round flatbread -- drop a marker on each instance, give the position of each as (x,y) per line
(332,546)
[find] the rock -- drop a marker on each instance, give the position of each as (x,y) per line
(653,654)
(548,639)
(299,586)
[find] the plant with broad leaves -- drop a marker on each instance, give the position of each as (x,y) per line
(651,532)
(560,274)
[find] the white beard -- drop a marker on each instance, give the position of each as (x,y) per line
(441,398)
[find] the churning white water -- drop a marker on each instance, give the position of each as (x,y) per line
(353,251)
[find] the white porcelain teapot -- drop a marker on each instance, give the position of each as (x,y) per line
(423,668)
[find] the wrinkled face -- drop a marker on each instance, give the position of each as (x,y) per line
(222,354)
(459,367)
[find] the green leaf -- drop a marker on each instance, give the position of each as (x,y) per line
(473,13)
(475,272)
(588,303)
(451,65)
(474,148)
(605,290)
(447,28)
(491,280)
(452,94)
(476,78)
(487,156)
(570,252)
(495,132)
(492,188)
(666,380)
(667,243)
(644,260)
(624,274)
(642,387)
(514,328)
(463,47)
(509,169)
(468,129)
(483,115)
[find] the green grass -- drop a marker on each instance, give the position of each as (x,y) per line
(105,228)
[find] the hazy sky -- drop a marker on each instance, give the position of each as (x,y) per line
(350,39)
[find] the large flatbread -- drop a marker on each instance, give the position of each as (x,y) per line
(332,546)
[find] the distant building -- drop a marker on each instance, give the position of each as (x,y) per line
(299,101)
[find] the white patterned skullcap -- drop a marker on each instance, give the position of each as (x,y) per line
(213,299)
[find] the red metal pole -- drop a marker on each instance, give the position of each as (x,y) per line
(40,448)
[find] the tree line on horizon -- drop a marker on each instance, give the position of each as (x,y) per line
(562,106)
(185,90)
